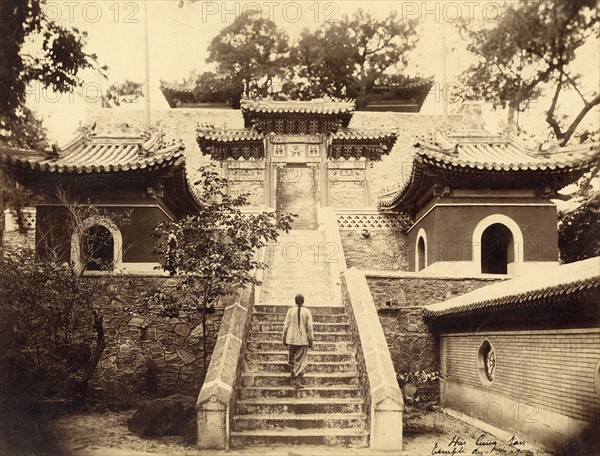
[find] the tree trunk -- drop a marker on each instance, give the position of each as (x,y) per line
(204,338)
(96,355)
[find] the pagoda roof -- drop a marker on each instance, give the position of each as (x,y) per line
(477,158)
(354,143)
(300,107)
(338,113)
(89,153)
(230,135)
(544,288)
(176,87)
(223,144)
(176,94)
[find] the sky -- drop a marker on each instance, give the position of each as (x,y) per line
(179,36)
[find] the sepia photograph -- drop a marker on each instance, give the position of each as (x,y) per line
(299,228)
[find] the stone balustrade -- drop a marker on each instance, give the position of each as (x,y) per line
(384,398)
(219,391)
(217,395)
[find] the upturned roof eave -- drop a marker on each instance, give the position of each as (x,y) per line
(424,163)
(534,299)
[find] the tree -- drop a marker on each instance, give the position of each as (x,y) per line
(212,253)
(55,63)
(579,231)
(532,48)
(348,57)
(124,92)
(252,50)
(212,88)
(52,318)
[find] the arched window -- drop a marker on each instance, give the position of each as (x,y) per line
(421,251)
(496,249)
(96,246)
(497,245)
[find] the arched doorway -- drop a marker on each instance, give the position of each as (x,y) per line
(421,254)
(97,248)
(497,249)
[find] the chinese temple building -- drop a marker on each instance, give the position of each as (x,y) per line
(295,155)
(140,174)
(482,203)
(406,95)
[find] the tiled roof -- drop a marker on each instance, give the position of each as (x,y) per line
(372,144)
(349,134)
(480,152)
(497,153)
(304,107)
(407,84)
(230,135)
(528,290)
(89,153)
(224,144)
(174,87)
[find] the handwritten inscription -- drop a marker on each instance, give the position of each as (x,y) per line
(483,444)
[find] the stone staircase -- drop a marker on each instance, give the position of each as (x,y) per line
(296,193)
(300,262)
(330,409)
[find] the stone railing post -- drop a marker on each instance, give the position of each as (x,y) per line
(218,391)
(385,398)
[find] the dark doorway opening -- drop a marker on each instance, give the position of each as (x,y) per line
(421,249)
(98,247)
(496,249)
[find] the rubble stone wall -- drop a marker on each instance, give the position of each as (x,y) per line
(399,300)
(383,250)
(152,354)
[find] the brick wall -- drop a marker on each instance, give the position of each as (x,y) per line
(553,370)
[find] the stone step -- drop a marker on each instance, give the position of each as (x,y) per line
(288,421)
(315,366)
(310,292)
(337,347)
(319,437)
(314,303)
(282,355)
(289,392)
(266,336)
(317,317)
(278,307)
(309,379)
(306,287)
(307,405)
(259,326)
(299,273)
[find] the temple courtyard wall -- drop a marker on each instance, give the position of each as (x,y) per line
(151,354)
(181,124)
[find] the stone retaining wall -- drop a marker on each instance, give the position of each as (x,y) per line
(383,250)
(152,354)
(398,300)
(383,397)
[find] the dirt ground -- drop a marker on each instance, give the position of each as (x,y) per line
(434,433)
